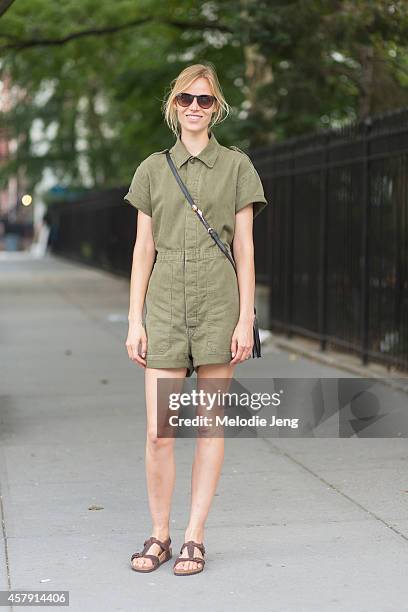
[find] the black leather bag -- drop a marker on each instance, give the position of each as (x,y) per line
(256,349)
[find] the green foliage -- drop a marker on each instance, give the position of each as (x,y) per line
(89,76)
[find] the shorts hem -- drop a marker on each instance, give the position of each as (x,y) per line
(167,363)
(221,358)
(208,359)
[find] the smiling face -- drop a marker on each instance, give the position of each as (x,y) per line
(193,118)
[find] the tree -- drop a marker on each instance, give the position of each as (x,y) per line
(90,75)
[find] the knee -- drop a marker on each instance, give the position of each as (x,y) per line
(204,433)
(157,444)
(209,437)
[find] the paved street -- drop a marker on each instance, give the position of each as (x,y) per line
(300,525)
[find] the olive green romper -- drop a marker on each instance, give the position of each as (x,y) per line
(192,299)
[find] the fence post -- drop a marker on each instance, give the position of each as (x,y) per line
(324,205)
(365,238)
(289,248)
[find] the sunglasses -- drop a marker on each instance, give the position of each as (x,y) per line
(204,101)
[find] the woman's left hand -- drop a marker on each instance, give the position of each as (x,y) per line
(242,341)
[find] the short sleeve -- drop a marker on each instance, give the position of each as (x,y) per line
(139,191)
(249,188)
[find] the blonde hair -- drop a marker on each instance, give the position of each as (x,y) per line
(182,82)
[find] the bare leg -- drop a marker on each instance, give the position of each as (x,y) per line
(208,459)
(160,464)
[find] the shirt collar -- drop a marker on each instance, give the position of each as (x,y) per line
(208,155)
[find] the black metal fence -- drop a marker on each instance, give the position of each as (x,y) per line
(335,243)
(98,229)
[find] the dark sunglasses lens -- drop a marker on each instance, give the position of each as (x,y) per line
(185,99)
(205,101)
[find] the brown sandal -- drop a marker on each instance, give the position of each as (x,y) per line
(190,548)
(157,560)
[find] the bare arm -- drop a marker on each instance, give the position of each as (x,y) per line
(243,250)
(142,264)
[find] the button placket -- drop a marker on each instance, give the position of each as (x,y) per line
(190,243)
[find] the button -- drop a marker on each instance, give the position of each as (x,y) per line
(192,159)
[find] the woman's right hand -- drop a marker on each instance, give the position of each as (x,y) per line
(137,337)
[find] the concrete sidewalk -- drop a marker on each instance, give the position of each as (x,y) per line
(296,524)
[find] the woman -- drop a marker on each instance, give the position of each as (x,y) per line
(199,312)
